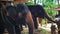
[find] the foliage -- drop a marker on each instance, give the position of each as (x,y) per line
(49,7)
(44,31)
(30,3)
(50,10)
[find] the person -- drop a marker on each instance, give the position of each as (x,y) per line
(57,19)
(38,11)
(53,29)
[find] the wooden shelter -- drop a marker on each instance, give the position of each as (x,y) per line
(20,1)
(57,9)
(7,0)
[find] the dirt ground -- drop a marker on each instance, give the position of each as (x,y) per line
(43,28)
